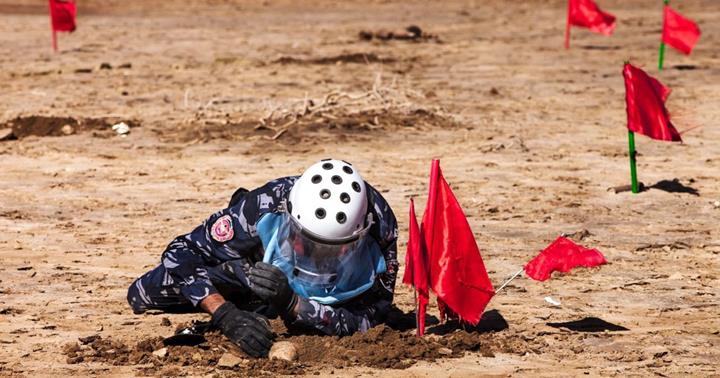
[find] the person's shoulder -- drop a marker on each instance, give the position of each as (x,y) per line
(277,189)
(264,199)
(383,216)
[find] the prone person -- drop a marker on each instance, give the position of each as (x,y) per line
(318,250)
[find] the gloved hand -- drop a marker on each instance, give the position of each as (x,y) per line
(250,331)
(270,284)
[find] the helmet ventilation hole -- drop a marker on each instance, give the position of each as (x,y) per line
(316,179)
(324,194)
(320,213)
(347,170)
(341,217)
(327,166)
(356,186)
(289,207)
(345,198)
(337,180)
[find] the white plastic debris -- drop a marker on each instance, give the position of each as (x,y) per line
(716,204)
(552,301)
(121,128)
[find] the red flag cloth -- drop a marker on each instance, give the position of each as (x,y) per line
(586,13)
(62,14)
(457,272)
(562,255)
(678,31)
(646,113)
(416,269)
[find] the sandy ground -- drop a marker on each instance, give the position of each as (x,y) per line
(540,138)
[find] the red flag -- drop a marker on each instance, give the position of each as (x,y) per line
(562,255)
(678,31)
(645,98)
(457,272)
(585,13)
(62,15)
(416,269)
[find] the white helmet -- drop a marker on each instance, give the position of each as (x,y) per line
(329,201)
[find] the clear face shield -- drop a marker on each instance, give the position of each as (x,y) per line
(324,268)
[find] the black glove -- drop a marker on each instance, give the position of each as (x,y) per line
(250,331)
(270,284)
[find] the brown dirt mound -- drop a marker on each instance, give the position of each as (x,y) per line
(411,33)
(334,116)
(37,125)
(319,126)
(380,347)
(361,58)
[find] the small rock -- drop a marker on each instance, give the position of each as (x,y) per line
(105,66)
(162,352)
(283,350)
(197,357)
(67,130)
(121,128)
(716,204)
(165,322)
(229,360)
(125,65)
(445,351)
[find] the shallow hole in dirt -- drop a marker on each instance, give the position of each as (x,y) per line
(39,125)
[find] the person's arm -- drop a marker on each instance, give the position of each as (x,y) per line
(211,303)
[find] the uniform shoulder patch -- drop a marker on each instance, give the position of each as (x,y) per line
(222,229)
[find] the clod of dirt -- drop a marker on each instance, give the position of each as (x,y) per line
(161,353)
(229,360)
(60,126)
(410,33)
(283,350)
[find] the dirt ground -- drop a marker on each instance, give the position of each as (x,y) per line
(221,94)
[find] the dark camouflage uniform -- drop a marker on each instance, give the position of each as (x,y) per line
(196,265)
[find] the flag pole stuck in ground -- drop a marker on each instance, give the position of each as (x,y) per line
(586,14)
(633,162)
(442,255)
(678,31)
(62,18)
(645,100)
(661,55)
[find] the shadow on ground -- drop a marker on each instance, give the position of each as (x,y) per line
(589,324)
(674,186)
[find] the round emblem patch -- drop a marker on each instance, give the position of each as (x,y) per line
(222,229)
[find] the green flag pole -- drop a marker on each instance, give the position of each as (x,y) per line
(661,57)
(633,161)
